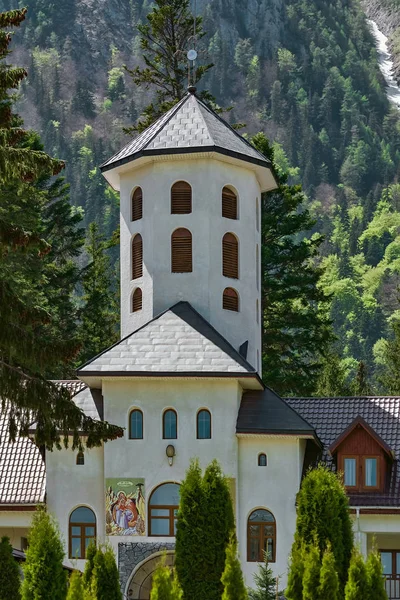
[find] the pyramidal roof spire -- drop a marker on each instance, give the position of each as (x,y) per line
(190,128)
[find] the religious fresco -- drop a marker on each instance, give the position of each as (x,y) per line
(125,507)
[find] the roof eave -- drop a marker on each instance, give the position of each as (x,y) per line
(310,435)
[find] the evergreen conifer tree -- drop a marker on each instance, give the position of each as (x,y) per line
(105,578)
(296,326)
(164,586)
(265,583)
(329,581)
(376,582)
(99,315)
(294,590)
(357,584)
(164,42)
(232,577)
(10,580)
(76,590)
(44,575)
(390,377)
(89,565)
(311,578)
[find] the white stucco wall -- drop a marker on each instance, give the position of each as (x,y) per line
(70,485)
(274,488)
(203,287)
(15,525)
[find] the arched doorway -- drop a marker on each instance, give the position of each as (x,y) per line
(139,587)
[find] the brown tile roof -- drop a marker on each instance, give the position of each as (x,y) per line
(332,416)
(22,469)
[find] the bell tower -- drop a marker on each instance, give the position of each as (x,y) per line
(190,223)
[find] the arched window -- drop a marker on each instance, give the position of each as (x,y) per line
(137,204)
(137,256)
(80,458)
(163,509)
(262,460)
(229,204)
(257,268)
(230,256)
(82,529)
(170,425)
(181,198)
(261,536)
(204,424)
(230,300)
(137,300)
(136,425)
(181,251)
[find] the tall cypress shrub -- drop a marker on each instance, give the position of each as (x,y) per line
(294,590)
(44,575)
(357,584)
(323,515)
(10,581)
(329,581)
(76,590)
(165,585)
(232,577)
(205,525)
(376,582)
(105,578)
(311,579)
(89,566)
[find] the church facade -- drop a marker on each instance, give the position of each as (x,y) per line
(185,378)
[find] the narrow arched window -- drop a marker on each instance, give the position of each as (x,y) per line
(137,300)
(163,509)
(229,204)
(137,204)
(261,536)
(181,251)
(80,458)
(136,425)
(230,299)
(230,256)
(181,198)
(204,424)
(262,460)
(82,529)
(137,256)
(170,425)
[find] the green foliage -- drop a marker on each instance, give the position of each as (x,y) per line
(204,527)
(104,581)
(76,589)
(296,329)
(323,516)
(10,580)
(357,584)
(376,581)
(165,585)
(311,577)
(390,373)
(232,577)
(294,590)
(329,581)
(44,575)
(265,582)
(89,565)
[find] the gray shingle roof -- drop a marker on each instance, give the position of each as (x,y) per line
(332,416)
(178,341)
(190,126)
(263,412)
(22,469)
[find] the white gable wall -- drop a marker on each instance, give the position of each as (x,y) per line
(203,287)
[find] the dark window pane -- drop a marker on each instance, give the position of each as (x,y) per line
(170,429)
(262,515)
(262,460)
(397,563)
(350,472)
(386,558)
(159,526)
(254,549)
(89,531)
(136,425)
(76,547)
(160,512)
(371,472)
(204,425)
(87,542)
(268,530)
(269,548)
(166,495)
(82,514)
(75,531)
(254,530)
(175,522)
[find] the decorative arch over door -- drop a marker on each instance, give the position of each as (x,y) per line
(139,587)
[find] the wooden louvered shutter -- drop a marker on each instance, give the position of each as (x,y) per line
(181,251)
(230,300)
(137,204)
(230,256)
(137,300)
(137,257)
(229,204)
(181,198)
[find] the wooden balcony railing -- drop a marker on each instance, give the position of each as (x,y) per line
(392,584)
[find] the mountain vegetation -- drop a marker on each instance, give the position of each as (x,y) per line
(304,73)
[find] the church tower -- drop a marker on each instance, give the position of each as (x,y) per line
(190,189)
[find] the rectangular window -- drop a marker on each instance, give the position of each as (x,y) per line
(350,472)
(371,472)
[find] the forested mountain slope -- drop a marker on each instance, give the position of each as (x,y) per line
(303,71)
